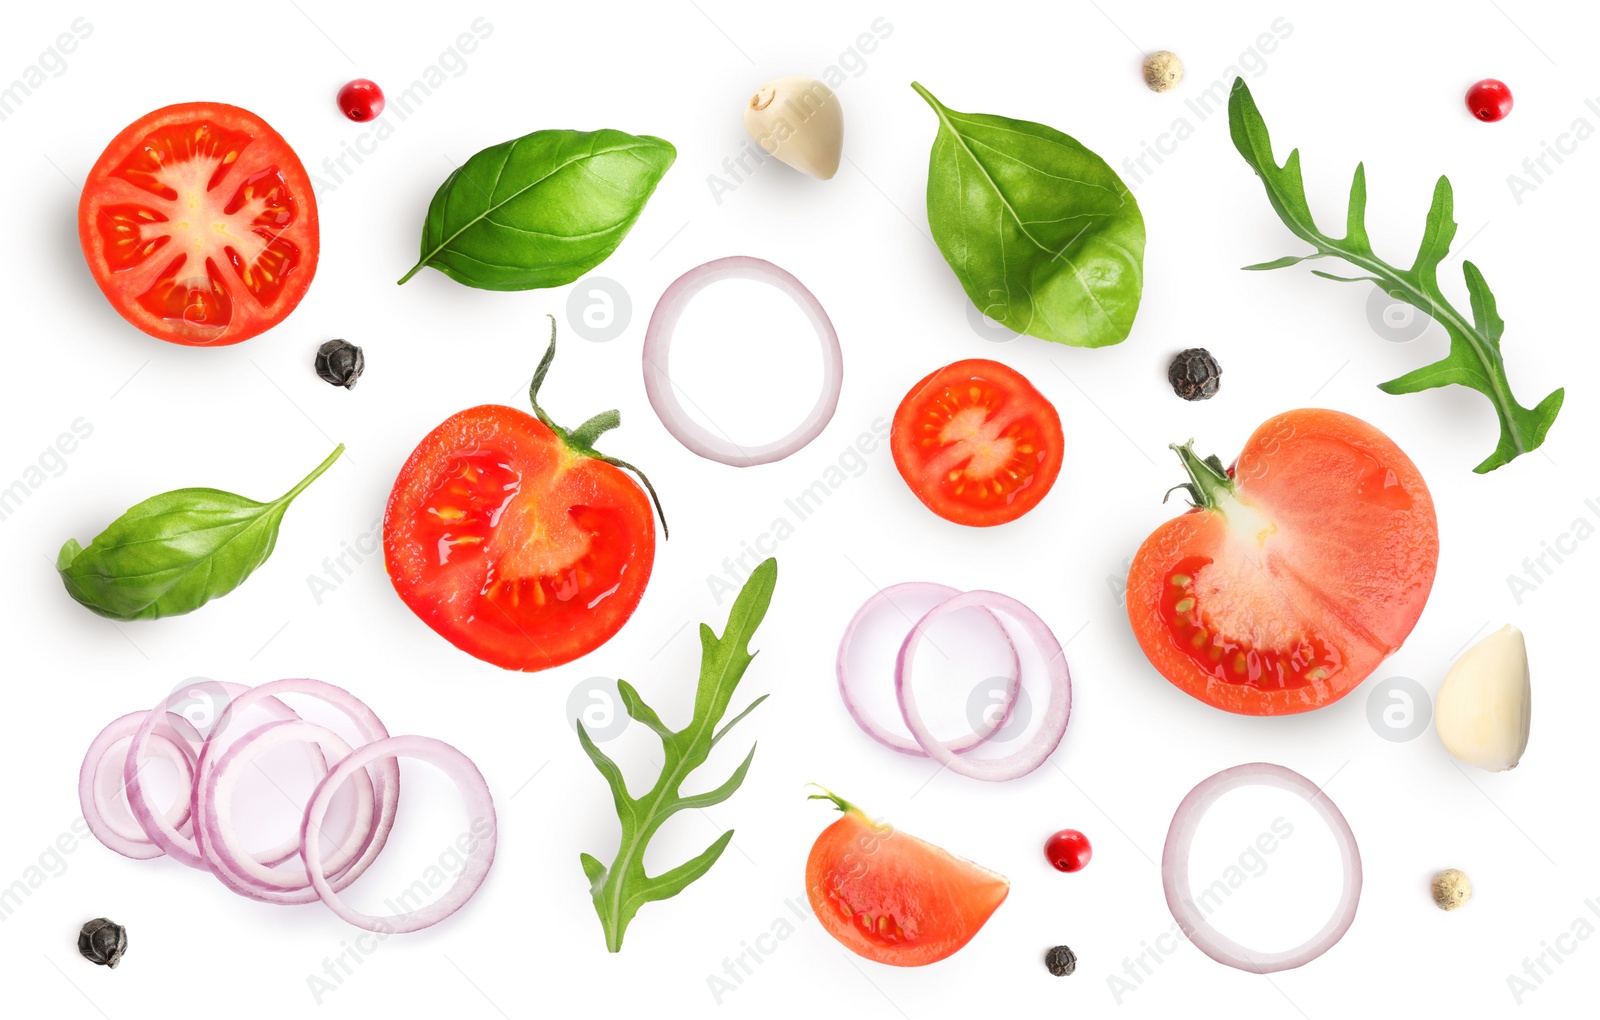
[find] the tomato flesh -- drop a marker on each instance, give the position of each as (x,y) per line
(1236,657)
(516,549)
(893,898)
(977,443)
(1291,590)
(199,224)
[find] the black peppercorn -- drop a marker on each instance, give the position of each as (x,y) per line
(103,942)
(340,363)
(1195,374)
(1061,961)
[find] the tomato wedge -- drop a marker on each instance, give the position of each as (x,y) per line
(515,539)
(977,443)
(893,898)
(1298,571)
(199,224)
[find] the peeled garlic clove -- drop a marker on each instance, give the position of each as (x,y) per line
(799,120)
(1484,705)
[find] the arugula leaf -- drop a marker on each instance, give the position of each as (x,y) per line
(621,889)
(1474,360)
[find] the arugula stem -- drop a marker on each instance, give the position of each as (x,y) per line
(1448,317)
(1445,313)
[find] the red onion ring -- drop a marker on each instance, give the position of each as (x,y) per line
(1056,714)
(228,858)
(659,387)
(1175,869)
(385,781)
(178,846)
(880,733)
(109,752)
(480,808)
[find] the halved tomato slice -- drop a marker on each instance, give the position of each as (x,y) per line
(199,224)
(515,538)
(977,443)
(1299,570)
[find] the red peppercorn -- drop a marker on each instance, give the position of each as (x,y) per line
(361,100)
(1489,100)
(1068,850)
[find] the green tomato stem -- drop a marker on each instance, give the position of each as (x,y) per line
(582,439)
(1208,479)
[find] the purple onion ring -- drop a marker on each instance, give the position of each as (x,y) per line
(385,781)
(226,856)
(659,387)
(1175,869)
(1056,714)
(480,810)
(110,750)
(180,847)
(880,733)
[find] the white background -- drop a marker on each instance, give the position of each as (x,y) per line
(1376,81)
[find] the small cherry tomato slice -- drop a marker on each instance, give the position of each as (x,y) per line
(893,898)
(977,443)
(199,224)
(1302,568)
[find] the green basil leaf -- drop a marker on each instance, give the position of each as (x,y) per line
(1043,235)
(175,552)
(541,210)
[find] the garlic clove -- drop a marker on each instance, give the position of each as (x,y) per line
(799,120)
(1483,708)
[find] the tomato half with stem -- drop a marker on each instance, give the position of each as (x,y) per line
(893,898)
(199,224)
(1297,571)
(977,443)
(516,539)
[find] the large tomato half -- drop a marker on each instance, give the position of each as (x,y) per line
(1300,569)
(199,224)
(515,539)
(893,898)
(977,443)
